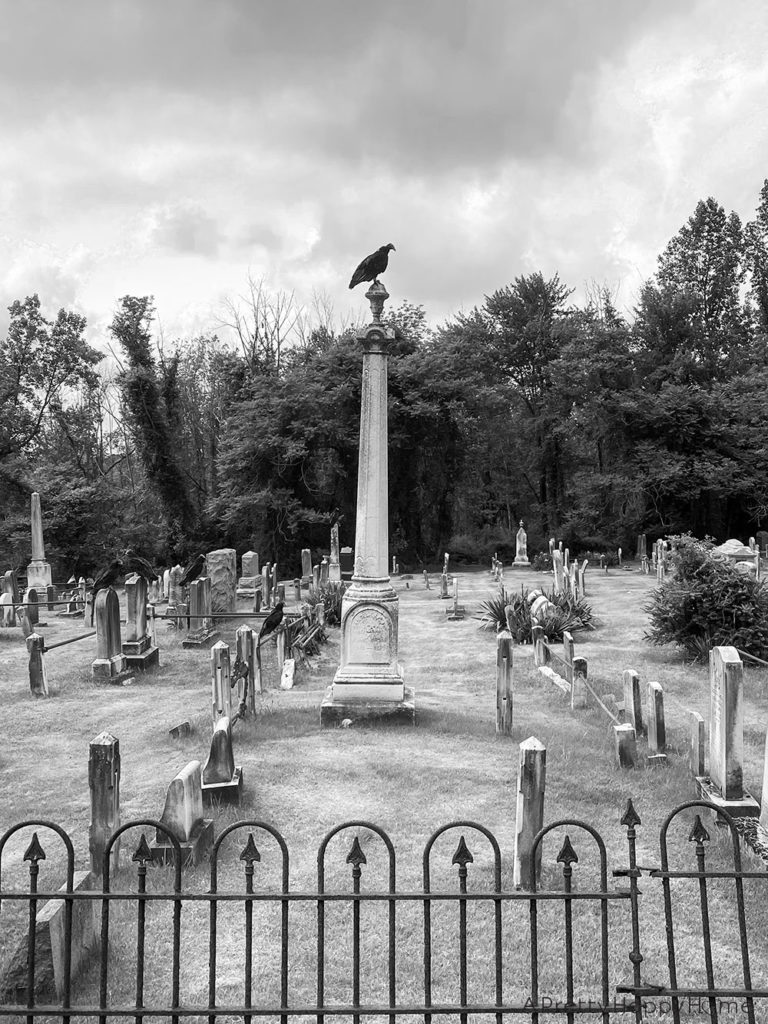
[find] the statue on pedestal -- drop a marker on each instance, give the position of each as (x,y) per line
(521,554)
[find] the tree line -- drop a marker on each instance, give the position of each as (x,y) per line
(588,425)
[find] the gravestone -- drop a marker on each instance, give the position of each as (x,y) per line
(724,786)
(138,648)
(250,576)
(200,614)
(222,779)
(110,660)
(221,689)
(334,566)
(38,676)
(346,563)
(306,565)
(625,745)
(184,818)
(633,703)
(221,570)
(266,581)
(31,609)
(324,571)
(166,583)
(7,611)
(250,564)
(557,569)
(697,745)
(175,593)
(657,729)
(38,570)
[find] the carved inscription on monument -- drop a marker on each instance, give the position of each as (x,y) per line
(368,637)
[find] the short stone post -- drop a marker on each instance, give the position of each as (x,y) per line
(657,733)
(265,583)
(578,689)
(626,745)
(280,591)
(504,683)
(104,784)
(540,650)
(273,582)
(257,602)
(633,703)
(38,677)
(334,567)
(531,780)
(698,742)
(426,580)
(297,590)
(444,586)
(110,660)
(316,578)
(221,703)
(31,609)
(280,646)
(50,597)
(324,571)
(245,640)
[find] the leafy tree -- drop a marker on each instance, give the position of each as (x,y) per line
(756,257)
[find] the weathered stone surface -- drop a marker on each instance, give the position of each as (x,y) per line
(50,949)
(306,562)
(697,744)
(104,785)
(38,570)
(626,745)
(183,811)
(531,781)
(221,568)
(136,595)
(249,565)
(109,660)
(334,567)
(521,552)
(633,704)
(286,676)
(726,722)
(7,611)
(38,677)
(221,691)
(220,766)
(657,732)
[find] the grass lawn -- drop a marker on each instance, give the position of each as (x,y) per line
(303,781)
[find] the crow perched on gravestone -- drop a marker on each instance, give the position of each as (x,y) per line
(372,266)
(271,622)
(135,563)
(193,571)
(105,579)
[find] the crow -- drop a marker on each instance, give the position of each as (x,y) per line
(105,579)
(372,266)
(135,563)
(337,517)
(240,671)
(271,622)
(193,570)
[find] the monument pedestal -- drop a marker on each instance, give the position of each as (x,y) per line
(200,638)
(108,668)
(333,711)
(224,792)
(369,669)
(39,574)
(193,851)
(745,807)
(141,654)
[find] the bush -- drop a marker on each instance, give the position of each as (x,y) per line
(330,595)
(706,603)
(542,562)
(512,611)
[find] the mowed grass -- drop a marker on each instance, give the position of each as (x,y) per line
(304,780)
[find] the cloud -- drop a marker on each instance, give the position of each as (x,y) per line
(184,228)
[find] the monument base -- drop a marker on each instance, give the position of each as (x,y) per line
(747,807)
(192,852)
(148,658)
(224,792)
(335,709)
(200,638)
(108,668)
(39,574)
(521,563)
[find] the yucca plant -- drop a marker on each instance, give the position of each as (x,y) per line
(512,611)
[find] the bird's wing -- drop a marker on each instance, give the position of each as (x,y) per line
(362,272)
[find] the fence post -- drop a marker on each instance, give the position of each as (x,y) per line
(531,779)
(38,677)
(245,640)
(104,783)
(504,683)
(280,646)
(221,703)
(578,689)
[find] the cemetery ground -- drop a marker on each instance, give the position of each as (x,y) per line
(304,780)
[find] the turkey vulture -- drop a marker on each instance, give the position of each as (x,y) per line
(105,579)
(372,266)
(271,622)
(135,563)
(193,570)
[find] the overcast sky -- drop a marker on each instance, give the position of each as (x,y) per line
(169,148)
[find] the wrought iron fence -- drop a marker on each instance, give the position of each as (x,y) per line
(240,947)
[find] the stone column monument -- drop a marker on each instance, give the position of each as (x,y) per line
(521,553)
(38,570)
(369,679)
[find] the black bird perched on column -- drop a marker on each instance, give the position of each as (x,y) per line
(193,571)
(372,266)
(105,579)
(135,563)
(271,622)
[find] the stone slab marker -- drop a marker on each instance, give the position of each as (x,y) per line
(633,703)
(221,569)
(726,722)
(334,567)
(110,660)
(504,698)
(250,564)
(557,568)
(184,818)
(38,676)
(265,583)
(104,784)
(626,745)
(657,731)
(221,779)
(246,640)
(444,586)
(698,742)
(138,648)
(306,564)
(32,611)
(531,780)
(38,570)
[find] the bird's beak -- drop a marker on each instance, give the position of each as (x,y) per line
(394,249)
